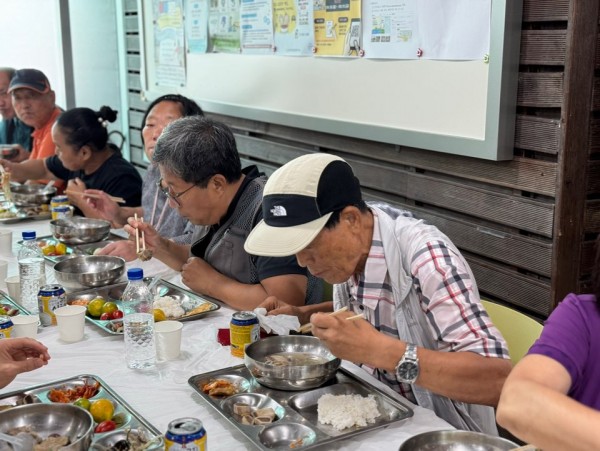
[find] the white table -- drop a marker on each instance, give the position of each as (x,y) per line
(163,394)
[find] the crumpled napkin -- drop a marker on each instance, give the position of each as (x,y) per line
(277,324)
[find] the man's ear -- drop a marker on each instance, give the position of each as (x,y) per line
(351,216)
(218,182)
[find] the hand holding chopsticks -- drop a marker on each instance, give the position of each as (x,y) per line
(143,253)
(308,326)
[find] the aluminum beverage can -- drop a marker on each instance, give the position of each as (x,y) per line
(6,326)
(50,297)
(59,200)
(243,330)
(186,433)
(61,212)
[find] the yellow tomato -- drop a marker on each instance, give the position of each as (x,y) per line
(159,315)
(61,249)
(94,308)
(83,403)
(102,410)
(49,249)
(109,307)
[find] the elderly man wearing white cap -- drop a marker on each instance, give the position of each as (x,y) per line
(425,332)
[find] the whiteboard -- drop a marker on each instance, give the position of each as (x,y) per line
(460,107)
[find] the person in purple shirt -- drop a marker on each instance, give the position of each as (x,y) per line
(552,397)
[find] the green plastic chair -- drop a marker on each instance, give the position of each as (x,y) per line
(519,330)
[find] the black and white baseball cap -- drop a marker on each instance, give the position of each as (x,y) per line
(298,200)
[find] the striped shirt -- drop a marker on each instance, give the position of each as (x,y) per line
(455,315)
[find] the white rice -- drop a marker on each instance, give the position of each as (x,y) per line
(344,411)
(170,306)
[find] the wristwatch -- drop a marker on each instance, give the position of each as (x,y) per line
(407,369)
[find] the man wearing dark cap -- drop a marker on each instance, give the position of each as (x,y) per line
(15,136)
(34,103)
(425,332)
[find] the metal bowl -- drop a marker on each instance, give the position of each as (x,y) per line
(80,230)
(456,440)
(89,271)
(293,377)
(46,419)
(32,194)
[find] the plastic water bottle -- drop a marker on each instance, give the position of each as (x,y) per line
(138,322)
(32,273)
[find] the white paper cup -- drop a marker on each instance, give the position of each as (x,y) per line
(168,339)
(25,326)
(6,242)
(3,269)
(13,285)
(70,320)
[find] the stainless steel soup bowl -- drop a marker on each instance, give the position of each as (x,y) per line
(299,377)
(45,419)
(456,440)
(89,271)
(32,194)
(80,230)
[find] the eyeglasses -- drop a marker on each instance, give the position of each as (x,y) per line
(170,194)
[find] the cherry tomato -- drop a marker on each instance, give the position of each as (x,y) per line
(105,316)
(106,426)
(117,314)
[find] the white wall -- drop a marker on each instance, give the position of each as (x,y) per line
(30,38)
(95,53)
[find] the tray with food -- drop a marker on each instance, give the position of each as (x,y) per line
(12,214)
(55,251)
(113,418)
(10,307)
(170,302)
(343,407)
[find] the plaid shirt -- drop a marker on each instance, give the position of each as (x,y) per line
(456,318)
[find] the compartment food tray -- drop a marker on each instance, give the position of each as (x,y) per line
(187,299)
(73,249)
(7,301)
(23,215)
(126,415)
(296,425)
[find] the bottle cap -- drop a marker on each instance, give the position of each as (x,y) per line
(28,235)
(135,273)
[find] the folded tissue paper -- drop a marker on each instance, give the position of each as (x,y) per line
(277,324)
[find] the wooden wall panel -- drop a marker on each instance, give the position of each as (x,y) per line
(545,10)
(543,47)
(538,134)
(525,292)
(540,89)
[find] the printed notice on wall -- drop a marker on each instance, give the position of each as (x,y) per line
(293,24)
(337,28)
(427,29)
(256,20)
(169,46)
(196,25)
(224,25)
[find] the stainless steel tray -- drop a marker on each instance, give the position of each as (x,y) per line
(188,300)
(73,249)
(127,417)
(23,216)
(297,423)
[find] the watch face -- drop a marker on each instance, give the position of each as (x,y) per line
(408,371)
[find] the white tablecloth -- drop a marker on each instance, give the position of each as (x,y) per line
(163,394)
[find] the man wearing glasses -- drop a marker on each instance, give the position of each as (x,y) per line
(201,175)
